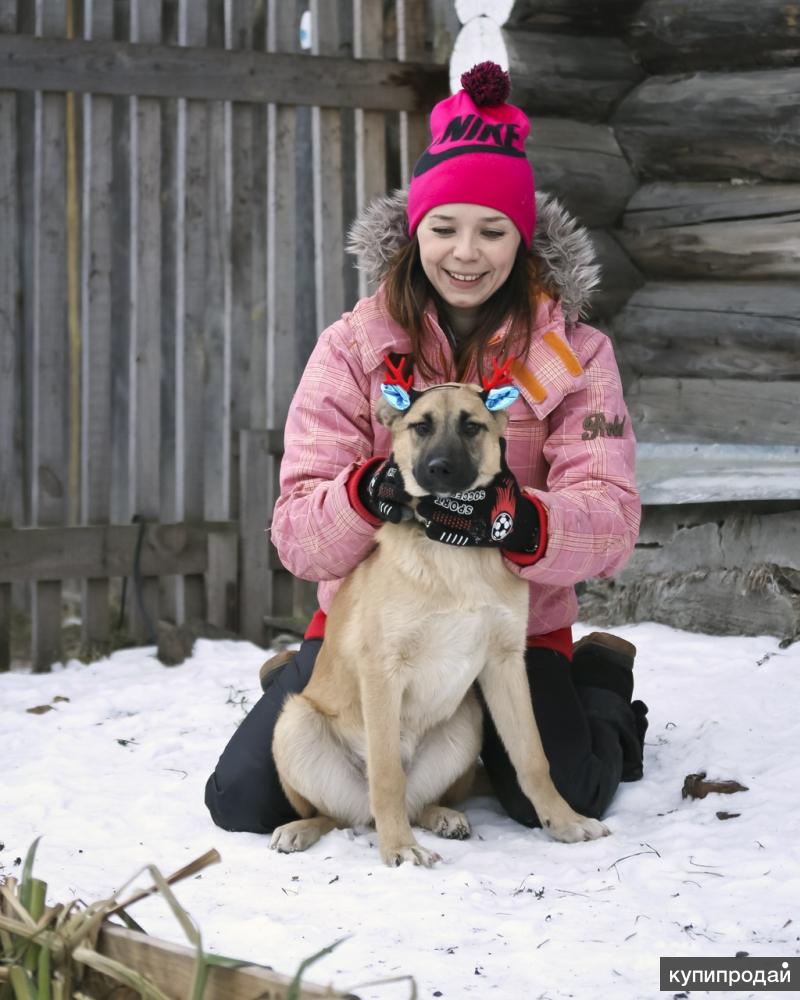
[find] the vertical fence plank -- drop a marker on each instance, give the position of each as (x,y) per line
(411,33)
(190,263)
(264,592)
(145,307)
(247,232)
(221,582)
(326,140)
(256,467)
(10,332)
(218,327)
(370,125)
(96,324)
(170,590)
(49,407)
(121,293)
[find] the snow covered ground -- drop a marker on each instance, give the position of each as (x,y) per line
(113,778)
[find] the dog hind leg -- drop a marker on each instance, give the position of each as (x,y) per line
(321,781)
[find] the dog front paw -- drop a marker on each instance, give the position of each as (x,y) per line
(576,828)
(415,853)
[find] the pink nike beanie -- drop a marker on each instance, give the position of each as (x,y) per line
(477,154)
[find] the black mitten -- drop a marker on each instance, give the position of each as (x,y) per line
(382,491)
(498,514)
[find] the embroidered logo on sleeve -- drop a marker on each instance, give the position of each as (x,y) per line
(598,425)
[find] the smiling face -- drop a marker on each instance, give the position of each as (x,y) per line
(467,252)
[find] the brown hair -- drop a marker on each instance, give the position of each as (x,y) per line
(408,290)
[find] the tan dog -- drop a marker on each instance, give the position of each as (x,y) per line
(389,727)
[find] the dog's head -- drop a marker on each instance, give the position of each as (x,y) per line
(446,439)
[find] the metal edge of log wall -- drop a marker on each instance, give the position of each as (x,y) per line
(157,304)
(688,186)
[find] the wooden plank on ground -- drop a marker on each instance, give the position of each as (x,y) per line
(49,368)
(171,967)
(714,410)
(370,126)
(145,318)
(104,551)
(10,329)
(169,71)
(96,324)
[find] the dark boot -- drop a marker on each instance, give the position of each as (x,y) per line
(602,669)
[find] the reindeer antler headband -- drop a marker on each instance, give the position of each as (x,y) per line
(498,392)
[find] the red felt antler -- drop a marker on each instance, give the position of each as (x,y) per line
(396,375)
(500,376)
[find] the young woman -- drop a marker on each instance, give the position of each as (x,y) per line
(463,287)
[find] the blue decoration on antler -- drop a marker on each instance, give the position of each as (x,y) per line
(501,398)
(498,392)
(396,396)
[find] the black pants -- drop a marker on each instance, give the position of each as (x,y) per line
(587,733)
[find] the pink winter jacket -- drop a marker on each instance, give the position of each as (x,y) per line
(570,445)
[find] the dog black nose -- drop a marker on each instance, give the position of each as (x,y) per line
(439,468)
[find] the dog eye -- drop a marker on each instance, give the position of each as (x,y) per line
(471,429)
(421,429)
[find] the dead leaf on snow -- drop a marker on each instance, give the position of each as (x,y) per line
(695,786)
(39,709)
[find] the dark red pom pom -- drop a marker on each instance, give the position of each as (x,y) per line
(487,84)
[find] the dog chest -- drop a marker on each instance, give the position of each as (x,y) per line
(447,652)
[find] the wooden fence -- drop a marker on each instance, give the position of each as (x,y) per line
(175,180)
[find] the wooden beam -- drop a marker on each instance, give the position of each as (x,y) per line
(710,230)
(580,78)
(147,70)
(583,165)
(171,967)
(713,126)
(588,17)
(681,474)
(728,411)
(675,36)
(711,329)
(105,551)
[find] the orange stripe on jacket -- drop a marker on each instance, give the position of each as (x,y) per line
(562,349)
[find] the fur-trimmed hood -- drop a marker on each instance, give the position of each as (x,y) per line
(564,248)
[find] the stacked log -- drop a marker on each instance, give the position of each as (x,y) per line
(679,153)
(570,85)
(674,36)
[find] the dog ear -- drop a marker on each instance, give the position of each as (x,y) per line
(500,419)
(387,412)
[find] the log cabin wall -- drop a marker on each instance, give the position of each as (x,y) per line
(671,128)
